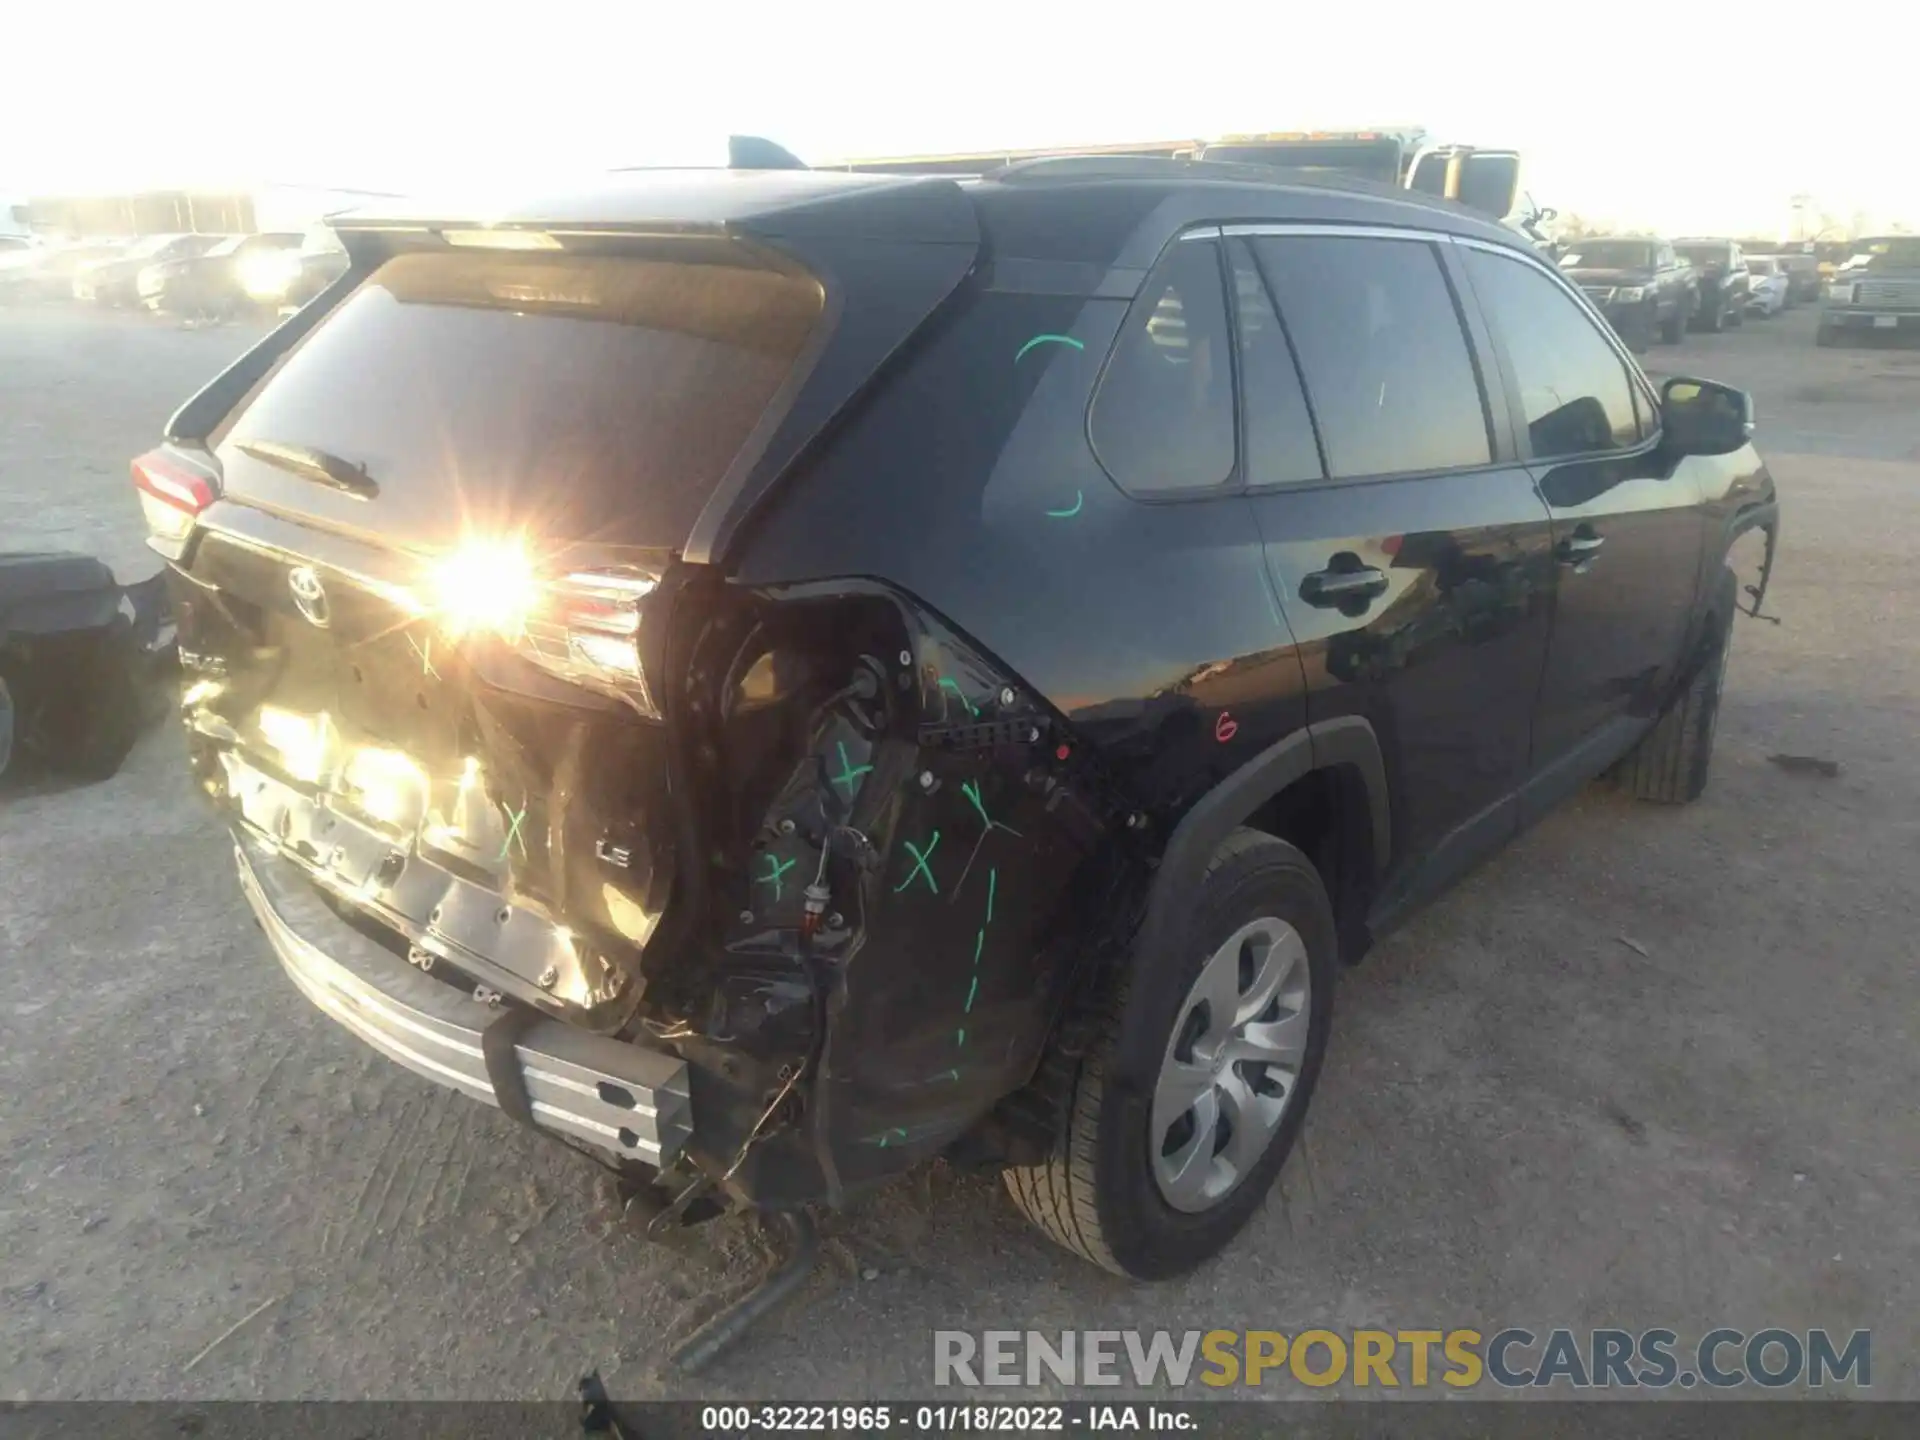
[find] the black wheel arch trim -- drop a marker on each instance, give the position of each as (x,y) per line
(1345,740)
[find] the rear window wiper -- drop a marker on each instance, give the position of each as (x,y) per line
(312,464)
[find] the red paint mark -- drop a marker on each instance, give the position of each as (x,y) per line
(1062,753)
(1225,727)
(1391,544)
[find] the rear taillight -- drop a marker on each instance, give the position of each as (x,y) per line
(172,494)
(588,630)
(580,625)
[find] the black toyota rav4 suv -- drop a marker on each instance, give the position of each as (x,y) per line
(773,677)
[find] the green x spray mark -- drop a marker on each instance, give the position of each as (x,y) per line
(514,821)
(849,772)
(775,869)
(920,866)
(426,657)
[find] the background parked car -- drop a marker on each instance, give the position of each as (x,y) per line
(1803,276)
(116,281)
(240,271)
(321,260)
(46,272)
(1767,285)
(1637,282)
(1723,278)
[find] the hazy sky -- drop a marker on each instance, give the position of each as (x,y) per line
(1600,97)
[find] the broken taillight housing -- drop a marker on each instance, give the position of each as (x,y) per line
(172,493)
(586,628)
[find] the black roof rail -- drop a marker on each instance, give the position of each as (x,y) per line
(1132,167)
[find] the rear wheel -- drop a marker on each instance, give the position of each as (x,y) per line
(1827,336)
(91,723)
(1176,1122)
(1669,765)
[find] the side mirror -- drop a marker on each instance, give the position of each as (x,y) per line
(1705,418)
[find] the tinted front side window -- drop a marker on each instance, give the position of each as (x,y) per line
(1573,388)
(1279,432)
(1163,419)
(1387,367)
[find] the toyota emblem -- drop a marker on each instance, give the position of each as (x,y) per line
(309,594)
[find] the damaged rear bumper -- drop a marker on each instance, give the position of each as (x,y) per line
(618,1097)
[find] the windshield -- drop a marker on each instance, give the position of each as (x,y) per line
(1704,254)
(1609,255)
(1761,264)
(571,387)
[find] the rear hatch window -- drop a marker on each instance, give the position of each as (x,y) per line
(588,397)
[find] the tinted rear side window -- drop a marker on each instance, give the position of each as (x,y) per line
(1387,367)
(531,387)
(1280,446)
(1574,393)
(1163,419)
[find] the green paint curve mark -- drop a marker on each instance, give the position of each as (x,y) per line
(1047,340)
(948,683)
(993,878)
(1079,499)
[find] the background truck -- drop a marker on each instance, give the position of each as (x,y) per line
(1405,157)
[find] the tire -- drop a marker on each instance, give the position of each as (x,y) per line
(1669,766)
(1827,337)
(1101,1193)
(94,720)
(1674,328)
(6,726)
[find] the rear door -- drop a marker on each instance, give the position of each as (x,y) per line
(1405,538)
(1626,522)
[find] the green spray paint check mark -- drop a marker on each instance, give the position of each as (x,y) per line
(1079,499)
(948,683)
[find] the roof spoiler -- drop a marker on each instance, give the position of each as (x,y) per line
(751,152)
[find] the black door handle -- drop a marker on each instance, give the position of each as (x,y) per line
(1343,587)
(1579,547)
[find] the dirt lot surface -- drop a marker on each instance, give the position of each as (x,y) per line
(1649,1067)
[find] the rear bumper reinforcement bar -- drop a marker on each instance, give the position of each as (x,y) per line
(618,1097)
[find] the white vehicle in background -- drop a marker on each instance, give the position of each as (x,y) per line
(1768,295)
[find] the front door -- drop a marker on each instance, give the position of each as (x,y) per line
(1626,521)
(1404,537)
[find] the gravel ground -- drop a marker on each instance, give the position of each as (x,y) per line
(1648,1067)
